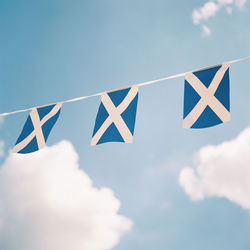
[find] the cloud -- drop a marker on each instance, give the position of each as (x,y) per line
(224,2)
(206,31)
(240,3)
(1,149)
(211,8)
(48,203)
(208,10)
(223,171)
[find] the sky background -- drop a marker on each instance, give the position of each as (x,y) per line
(52,50)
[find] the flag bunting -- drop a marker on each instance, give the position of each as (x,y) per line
(115,120)
(37,129)
(206,97)
(206,104)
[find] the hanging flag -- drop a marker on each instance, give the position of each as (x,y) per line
(115,120)
(37,129)
(206,97)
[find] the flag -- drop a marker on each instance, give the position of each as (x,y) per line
(115,120)
(37,129)
(206,97)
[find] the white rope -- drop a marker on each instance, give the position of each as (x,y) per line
(138,85)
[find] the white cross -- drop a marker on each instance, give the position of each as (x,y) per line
(115,116)
(207,97)
(37,132)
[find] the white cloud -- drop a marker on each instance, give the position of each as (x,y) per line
(1,149)
(223,171)
(224,2)
(211,8)
(240,3)
(206,31)
(208,10)
(48,203)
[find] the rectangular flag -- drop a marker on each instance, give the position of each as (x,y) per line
(37,129)
(206,97)
(115,120)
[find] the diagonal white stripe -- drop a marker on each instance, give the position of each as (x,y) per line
(37,128)
(29,138)
(23,143)
(51,113)
(218,77)
(207,97)
(128,99)
(192,117)
(115,116)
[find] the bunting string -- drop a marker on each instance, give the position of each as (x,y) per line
(101,93)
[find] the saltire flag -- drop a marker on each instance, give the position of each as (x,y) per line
(115,120)
(206,97)
(37,129)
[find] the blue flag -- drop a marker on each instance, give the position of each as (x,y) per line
(206,97)
(37,129)
(115,121)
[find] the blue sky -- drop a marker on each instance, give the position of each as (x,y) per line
(53,50)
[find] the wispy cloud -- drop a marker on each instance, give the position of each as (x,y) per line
(1,149)
(206,30)
(240,3)
(47,202)
(211,8)
(223,171)
(208,10)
